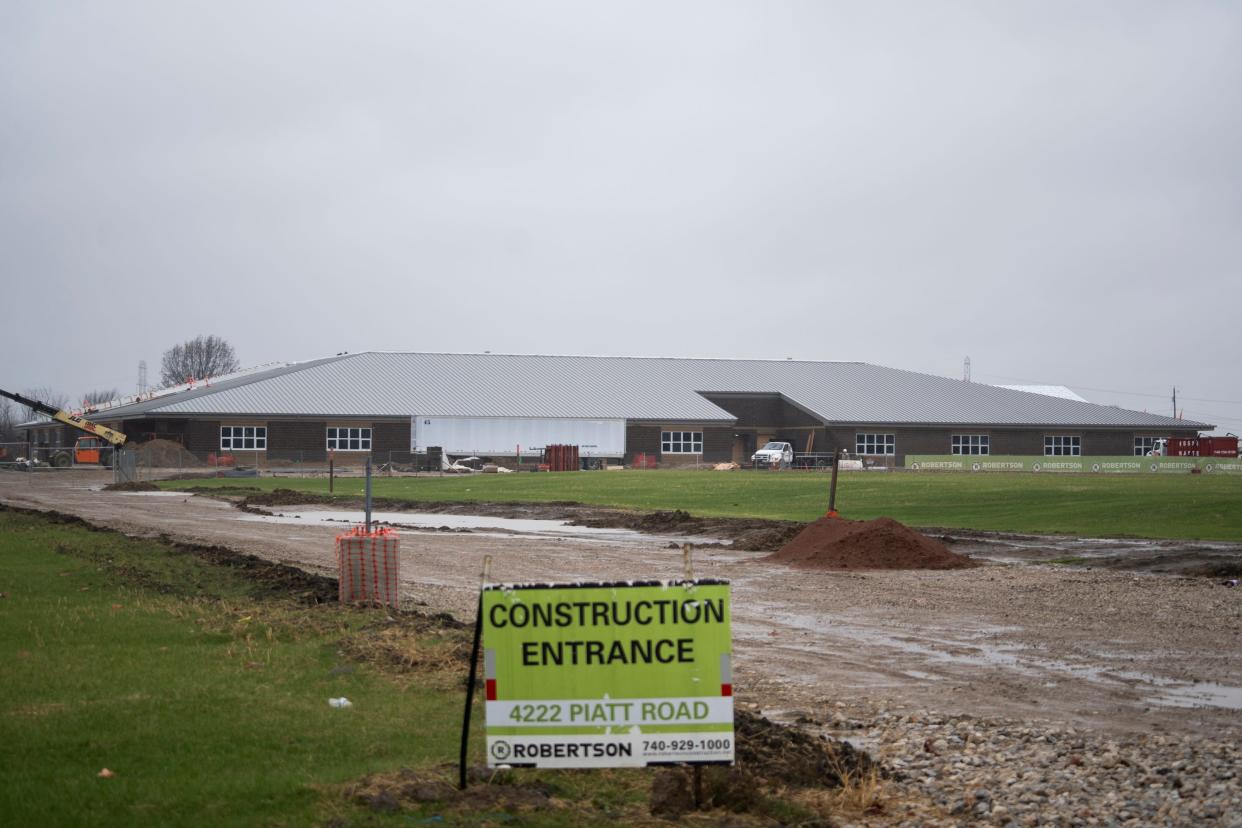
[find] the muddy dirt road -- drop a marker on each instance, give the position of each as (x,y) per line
(1115,651)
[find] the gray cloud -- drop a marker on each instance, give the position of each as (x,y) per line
(1051,188)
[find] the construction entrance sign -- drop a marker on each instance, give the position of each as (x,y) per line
(608,675)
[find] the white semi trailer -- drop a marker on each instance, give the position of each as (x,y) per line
(507,436)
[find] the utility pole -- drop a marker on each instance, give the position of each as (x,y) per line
(1175,402)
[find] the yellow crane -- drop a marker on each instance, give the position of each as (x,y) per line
(113,436)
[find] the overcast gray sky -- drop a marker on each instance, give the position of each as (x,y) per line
(1050,188)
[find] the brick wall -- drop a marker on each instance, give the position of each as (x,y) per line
(640,439)
(202,437)
(1108,442)
(717,445)
(143,430)
(390,437)
(299,440)
(306,439)
(1022,441)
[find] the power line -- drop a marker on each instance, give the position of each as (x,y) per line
(1219,417)
(1222,402)
(1123,393)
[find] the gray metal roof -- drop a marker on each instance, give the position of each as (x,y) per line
(1048,390)
(377,384)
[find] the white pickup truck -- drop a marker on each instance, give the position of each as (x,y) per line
(776,454)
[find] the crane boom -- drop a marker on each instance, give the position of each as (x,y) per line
(114,437)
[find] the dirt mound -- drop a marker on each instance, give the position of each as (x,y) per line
(132,486)
(751,534)
(765,539)
(165,454)
(883,543)
(786,756)
(269,578)
(674,521)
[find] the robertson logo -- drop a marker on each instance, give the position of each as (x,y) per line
(500,751)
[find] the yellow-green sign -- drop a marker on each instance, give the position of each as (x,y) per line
(608,675)
(1096,465)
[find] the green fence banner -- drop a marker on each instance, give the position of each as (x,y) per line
(1096,465)
(608,675)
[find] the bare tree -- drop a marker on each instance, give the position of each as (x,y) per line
(201,357)
(45,395)
(8,421)
(100,396)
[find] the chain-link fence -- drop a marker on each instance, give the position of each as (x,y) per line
(26,456)
(126,469)
(153,459)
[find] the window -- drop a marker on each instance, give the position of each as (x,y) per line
(681,442)
(1142,445)
(875,443)
(349,439)
(971,444)
(243,438)
(1056,445)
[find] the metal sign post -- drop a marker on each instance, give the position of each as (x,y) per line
(474,672)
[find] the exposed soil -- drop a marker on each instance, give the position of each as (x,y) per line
(1194,558)
(835,543)
(989,640)
(274,578)
(771,759)
(132,486)
(393,792)
(165,454)
(750,534)
(271,578)
(784,756)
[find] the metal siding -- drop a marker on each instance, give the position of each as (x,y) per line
(630,388)
(502,435)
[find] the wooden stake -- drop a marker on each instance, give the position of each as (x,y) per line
(832,487)
(686,567)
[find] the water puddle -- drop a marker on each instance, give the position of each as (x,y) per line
(1036,550)
(972,650)
(154,494)
(1200,694)
(424,523)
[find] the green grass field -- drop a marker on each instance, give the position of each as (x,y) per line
(206,697)
(1153,506)
(204,691)
(209,710)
